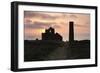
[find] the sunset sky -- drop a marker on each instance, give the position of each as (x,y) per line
(35,23)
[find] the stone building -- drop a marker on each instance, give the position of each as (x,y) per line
(51,35)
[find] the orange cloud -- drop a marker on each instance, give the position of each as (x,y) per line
(37,22)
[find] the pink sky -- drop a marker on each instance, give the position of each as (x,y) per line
(36,22)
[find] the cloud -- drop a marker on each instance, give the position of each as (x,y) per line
(82,25)
(35,22)
(42,15)
(30,37)
(29,14)
(27,21)
(41,25)
(78,25)
(73,16)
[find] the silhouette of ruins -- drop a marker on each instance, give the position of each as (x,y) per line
(71,32)
(52,47)
(51,35)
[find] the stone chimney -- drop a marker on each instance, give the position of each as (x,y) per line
(71,32)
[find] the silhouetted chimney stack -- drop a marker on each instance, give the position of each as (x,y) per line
(71,31)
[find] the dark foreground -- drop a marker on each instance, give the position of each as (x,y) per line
(38,50)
